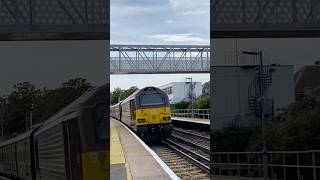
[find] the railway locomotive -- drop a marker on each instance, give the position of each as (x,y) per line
(73,144)
(147,112)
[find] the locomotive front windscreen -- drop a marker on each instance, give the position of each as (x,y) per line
(152,100)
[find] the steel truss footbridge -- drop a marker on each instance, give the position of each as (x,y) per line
(154,59)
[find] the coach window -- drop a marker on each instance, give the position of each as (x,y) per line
(100,118)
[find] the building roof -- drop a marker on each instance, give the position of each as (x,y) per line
(307,77)
(171,83)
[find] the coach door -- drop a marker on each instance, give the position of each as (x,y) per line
(72,144)
(133,113)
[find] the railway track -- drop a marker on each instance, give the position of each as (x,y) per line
(194,139)
(178,163)
(187,153)
(193,146)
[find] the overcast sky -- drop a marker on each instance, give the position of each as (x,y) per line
(180,22)
(50,63)
(285,51)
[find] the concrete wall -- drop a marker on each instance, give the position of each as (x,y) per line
(230,94)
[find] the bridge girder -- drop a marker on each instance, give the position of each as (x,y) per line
(154,59)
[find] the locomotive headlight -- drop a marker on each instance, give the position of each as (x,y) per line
(167,118)
(141,120)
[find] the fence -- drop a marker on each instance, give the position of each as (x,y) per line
(191,113)
(282,165)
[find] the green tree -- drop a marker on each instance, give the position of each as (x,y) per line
(180,105)
(296,129)
(51,101)
(115,96)
(202,102)
(206,88)
(231,138)
(119,94)
(128,92)
(19,105)
(43,103)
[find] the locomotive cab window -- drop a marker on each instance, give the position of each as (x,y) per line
(100,118)
(151,100)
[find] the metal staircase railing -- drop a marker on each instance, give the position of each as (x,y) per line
(254,92)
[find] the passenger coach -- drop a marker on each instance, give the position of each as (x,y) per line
(71,145)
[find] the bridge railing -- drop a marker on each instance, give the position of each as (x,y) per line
(191,113)
(159,64)
(286,165)
(159,59)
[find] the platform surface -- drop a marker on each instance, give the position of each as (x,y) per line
(192,120)
(140,164)
(117,160)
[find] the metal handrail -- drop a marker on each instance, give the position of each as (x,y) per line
(191,113)
(281,164)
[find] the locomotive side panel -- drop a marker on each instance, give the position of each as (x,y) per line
(12,161)
(24,159)
(1,159)
(50,154)
(9,163)
(72,149)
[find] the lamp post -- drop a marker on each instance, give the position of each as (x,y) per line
(261,103)
(191,89)
(119,97)
(31,115)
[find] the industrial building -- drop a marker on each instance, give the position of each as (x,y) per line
(238,99)
(182,91)
(307,82)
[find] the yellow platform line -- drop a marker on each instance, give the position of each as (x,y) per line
(116,151)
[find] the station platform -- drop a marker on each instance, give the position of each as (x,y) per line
(118,168)
(132,159)
(192,120)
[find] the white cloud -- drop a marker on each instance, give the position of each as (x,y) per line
(170,21)
(185,38)
(133,22)
(191,7)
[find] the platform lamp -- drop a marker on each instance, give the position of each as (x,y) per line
(192,113)
(261,101)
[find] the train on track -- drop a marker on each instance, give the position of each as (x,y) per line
(147,112)
(73,144)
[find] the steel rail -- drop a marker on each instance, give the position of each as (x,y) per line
(198,163)
(191,133)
